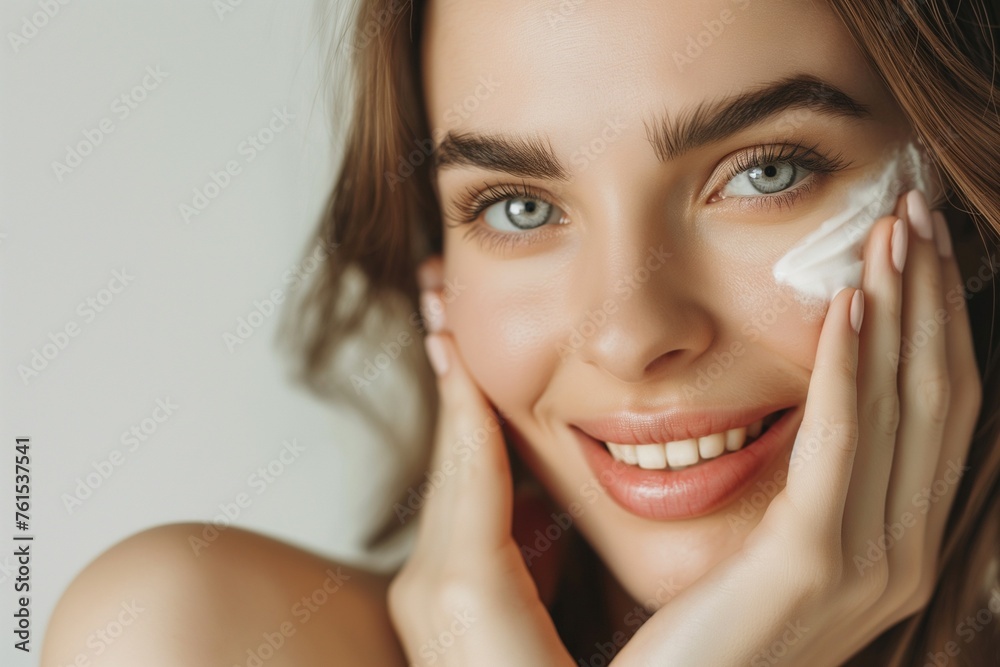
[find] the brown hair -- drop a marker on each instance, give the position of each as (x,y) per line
(936,57)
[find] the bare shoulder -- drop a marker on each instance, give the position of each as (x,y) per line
(191,594)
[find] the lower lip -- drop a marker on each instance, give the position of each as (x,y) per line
(684,494)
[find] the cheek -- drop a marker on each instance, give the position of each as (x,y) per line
(507,332)
(758,312)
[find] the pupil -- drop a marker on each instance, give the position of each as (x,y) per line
(530,207)
(770,170)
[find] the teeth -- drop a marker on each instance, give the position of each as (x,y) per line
(651,457)
(682,452)
(711,446)
(624,453)
(735,437)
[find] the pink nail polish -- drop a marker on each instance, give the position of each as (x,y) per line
(898,244)
(857,310)
(920,214)
(942,235)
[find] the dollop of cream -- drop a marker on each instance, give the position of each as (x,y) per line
(829,259)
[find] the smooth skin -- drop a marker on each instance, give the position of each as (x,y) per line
(211,609)
(582,316)
(795,581)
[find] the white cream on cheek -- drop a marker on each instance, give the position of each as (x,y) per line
(829,259)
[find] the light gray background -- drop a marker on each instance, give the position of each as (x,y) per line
(162,336)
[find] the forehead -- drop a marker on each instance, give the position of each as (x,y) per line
(565,67)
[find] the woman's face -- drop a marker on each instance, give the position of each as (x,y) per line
(633,276)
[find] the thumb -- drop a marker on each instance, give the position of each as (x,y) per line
(470,437)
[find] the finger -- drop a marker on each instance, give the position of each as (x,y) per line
(473,457)
(966,390)
(924,388)
(878,402)
(823,453)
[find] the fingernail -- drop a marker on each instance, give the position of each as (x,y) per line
(857,310)
(901,210)
(898,244)
(920,214)
(432,309)
(941,234)
(437,354)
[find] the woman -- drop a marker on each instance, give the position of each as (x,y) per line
(640,230)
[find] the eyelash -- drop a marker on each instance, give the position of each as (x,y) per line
(467,208)
(806,157)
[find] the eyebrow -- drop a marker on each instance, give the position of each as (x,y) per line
(669,136)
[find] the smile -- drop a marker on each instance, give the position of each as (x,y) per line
(681,454)
(680,466)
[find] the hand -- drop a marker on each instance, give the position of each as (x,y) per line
(465,596)
(849,547)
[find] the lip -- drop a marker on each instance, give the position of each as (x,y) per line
(635,428)
(669,495)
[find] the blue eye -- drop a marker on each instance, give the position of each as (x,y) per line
(518,214)
(508,208)
(767,170)
(764,179)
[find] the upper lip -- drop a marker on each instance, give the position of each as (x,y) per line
(670,424)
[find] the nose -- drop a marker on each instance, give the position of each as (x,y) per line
(645,321)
